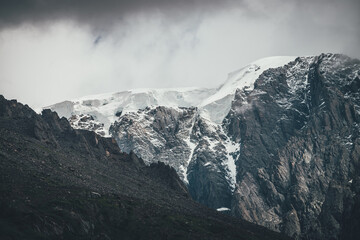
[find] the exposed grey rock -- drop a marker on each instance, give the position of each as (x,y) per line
(299,131)
(198,149)
(87,122)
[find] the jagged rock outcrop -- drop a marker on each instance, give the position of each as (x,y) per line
(197,149)
(299,160)
(87,122)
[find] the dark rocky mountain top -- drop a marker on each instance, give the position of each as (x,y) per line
(61,183)
(299,162)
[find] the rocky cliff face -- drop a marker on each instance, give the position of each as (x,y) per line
(282,152)
(198,149)
(298,166)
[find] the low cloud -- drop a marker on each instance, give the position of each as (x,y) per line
(56,50)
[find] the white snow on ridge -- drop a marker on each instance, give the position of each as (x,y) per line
(106,108)
(213,104)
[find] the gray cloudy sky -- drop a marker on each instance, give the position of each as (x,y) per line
(53,50)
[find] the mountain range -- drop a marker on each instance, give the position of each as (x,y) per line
(277,144)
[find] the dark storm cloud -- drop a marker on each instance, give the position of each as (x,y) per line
(98,13)
(302,23)
(102,14)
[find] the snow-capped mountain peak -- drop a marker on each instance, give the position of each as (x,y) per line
(214,104)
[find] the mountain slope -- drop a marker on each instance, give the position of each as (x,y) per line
(61,183)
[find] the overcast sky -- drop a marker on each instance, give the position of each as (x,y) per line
(53,50)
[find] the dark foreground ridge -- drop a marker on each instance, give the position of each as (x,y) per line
(61,183)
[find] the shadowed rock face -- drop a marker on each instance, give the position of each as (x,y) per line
(61,183)
(180,137)
(298,167)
